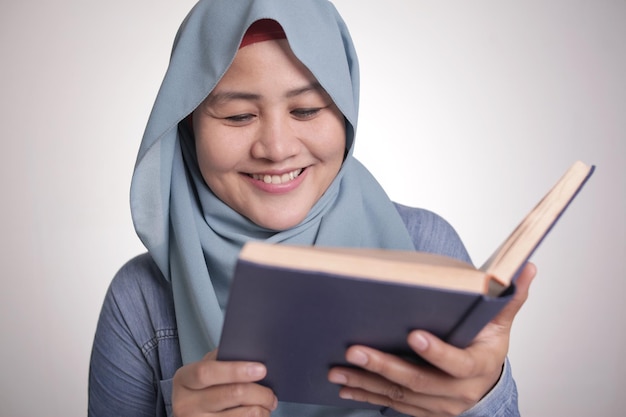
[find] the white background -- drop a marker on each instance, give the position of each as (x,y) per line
(469,108)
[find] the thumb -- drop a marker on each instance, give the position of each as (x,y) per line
(508,313)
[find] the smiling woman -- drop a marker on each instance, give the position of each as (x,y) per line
(251,138)
(269,139)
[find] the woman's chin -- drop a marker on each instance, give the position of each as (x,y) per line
(278,221)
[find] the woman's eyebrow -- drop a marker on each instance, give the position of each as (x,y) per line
(314,86)
(225,96)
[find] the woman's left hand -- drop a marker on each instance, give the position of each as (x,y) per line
(458,379)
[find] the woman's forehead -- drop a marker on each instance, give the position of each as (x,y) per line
(268,67)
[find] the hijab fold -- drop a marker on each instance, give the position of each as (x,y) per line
(191,234)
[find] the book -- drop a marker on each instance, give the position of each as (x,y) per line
(298,308)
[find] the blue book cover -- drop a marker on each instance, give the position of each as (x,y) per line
(299,320)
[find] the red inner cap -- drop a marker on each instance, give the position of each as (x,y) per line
(263,30)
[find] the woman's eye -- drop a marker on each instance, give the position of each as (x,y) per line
(304,114)
(240,118)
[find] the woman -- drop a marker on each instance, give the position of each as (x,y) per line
(251,137)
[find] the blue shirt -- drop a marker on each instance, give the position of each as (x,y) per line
(136,352)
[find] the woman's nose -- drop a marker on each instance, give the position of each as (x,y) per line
(276,139)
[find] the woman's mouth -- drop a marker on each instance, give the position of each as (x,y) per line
(277,179)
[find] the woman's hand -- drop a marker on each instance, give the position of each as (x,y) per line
(458,379)
(210,387)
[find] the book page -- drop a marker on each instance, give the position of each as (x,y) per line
(516,250)
(406,267)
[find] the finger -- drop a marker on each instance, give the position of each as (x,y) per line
(224,397)
(506,316)
(209,372)
(417,405)
(246,411)
(355,394)
(248,397)
(209,386)
(395,372)
(456,362)
(425,393)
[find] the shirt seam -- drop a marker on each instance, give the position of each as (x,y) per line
(160,335)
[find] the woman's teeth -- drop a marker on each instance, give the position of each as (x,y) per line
(278,179)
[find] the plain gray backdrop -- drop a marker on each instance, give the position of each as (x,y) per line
(469,108)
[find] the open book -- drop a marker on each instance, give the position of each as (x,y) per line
(297,308)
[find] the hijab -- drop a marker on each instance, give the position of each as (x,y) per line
(192,235)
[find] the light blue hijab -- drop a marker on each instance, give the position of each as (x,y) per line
(192,235)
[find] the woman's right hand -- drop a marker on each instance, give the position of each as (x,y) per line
(210,387)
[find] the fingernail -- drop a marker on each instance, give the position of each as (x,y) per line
(338,378)
(420,342)
(358,357)
(346,395)
(255,370)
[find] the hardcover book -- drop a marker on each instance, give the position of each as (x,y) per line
(298,308)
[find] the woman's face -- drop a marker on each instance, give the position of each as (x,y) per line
(269,139)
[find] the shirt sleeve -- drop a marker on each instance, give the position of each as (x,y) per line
(431,233)
(121,379)
(501,401)
(118,373)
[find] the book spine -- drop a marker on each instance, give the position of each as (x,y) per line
(483,311)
